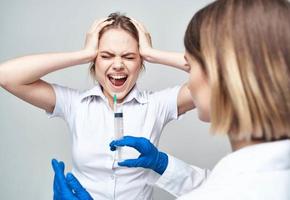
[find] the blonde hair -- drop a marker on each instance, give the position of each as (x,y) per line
(244,49)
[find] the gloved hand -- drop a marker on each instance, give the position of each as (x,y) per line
(67,188)
(150,156)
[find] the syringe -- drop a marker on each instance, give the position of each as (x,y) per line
(118,126)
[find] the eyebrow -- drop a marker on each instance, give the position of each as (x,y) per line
(130,54)
(126,54)
(107,52)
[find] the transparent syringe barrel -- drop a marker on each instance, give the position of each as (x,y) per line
(119,132)
(118,123)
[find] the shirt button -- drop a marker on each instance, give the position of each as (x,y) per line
(112,177)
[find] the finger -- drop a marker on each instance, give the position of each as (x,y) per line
(112,146)
(55,182)
(129,163)
(141,144)
(99,24)
(138,25)
(148,36)
(141,29)
(125,141)
(95,24)
(134,20)
(102,25)
(75,185)
(58,168)
(56,189)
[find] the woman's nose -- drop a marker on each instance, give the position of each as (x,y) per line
(118,64)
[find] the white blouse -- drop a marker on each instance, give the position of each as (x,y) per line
(91,124)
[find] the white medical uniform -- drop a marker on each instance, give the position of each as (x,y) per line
(257,172)
(91,124)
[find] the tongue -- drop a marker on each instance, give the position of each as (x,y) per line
(118,82)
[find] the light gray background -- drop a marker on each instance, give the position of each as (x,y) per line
(29,139)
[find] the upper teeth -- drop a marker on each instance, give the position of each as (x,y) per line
(118,76)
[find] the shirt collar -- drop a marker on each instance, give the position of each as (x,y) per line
(95,91)
(261,157)
(135,94)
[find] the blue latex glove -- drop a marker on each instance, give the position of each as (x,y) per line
(150,157)
(67,188)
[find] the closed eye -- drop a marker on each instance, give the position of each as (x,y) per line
(129,57)
(105,56)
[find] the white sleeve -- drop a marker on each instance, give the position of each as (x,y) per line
(180,178)
(166,104)
(65,102)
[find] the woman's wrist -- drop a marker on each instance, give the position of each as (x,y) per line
(86,55)
(150,55)
(172,59)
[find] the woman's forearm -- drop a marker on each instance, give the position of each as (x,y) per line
(173,59)
(28,69)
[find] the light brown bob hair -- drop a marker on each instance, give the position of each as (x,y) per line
(243,47)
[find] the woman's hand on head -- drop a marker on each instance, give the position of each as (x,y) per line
(92,36)
(145,43)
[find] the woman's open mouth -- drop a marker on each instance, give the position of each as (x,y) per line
(118,80)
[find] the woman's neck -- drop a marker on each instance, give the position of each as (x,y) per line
(111,98)
(238,144)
